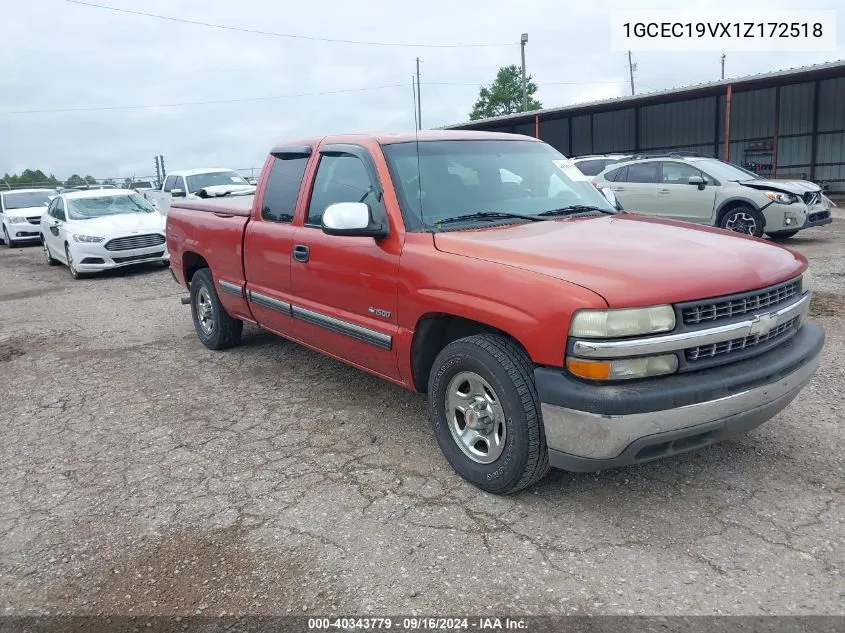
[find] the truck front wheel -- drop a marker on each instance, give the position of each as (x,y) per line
(215,328)
(486,414)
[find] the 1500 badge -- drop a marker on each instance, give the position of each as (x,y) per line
(379,312)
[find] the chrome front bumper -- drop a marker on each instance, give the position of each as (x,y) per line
(582,440)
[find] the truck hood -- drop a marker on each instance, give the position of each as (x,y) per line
(124,223)
(631,261)
(798,187)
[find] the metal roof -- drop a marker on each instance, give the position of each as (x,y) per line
(807,73)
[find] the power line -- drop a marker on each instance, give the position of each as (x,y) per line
(285,35)
(193,103)
(270,98)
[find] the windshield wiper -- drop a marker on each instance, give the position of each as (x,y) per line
(574,209)
(488,215)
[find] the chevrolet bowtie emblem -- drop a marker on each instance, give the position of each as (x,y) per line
(762,324)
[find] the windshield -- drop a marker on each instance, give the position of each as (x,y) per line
(456,178)
(25,199)
(721,170)
(87,208)
(214,179)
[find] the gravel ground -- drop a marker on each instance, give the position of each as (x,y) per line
(143,474)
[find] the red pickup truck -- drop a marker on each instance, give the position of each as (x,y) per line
(546,327)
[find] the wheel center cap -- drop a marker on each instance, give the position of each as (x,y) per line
(478,417)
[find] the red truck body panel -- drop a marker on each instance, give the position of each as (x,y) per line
(526,280)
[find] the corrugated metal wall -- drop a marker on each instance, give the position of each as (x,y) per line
(768,126)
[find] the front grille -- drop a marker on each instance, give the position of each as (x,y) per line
(820,215)
(137,258)
(134,241)
(738,344)
(735,305)
(35,219)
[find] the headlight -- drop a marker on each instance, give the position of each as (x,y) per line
(806,281)
(623,368)
(780,198)
(627,322)
(16,219)
(87,238)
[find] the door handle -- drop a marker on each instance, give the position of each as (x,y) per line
(618,188)
(220,214)
(301,253)
(663,191)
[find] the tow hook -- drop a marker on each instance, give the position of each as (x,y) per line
(185,300)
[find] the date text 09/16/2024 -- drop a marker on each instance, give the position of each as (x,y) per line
(418,623)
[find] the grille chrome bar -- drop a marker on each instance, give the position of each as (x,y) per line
(134,241)
(735,345)
(675,342)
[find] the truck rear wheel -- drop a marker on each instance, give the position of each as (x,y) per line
(215,328)
(486,414)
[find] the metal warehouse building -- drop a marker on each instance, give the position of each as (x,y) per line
(785,124)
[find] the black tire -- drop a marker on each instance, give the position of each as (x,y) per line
(743,219)
(225,331)
(505,366)
(8,240)
(51,261)
(781,235)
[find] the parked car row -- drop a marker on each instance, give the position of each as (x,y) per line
(485,270)
(88,231)
(705,190)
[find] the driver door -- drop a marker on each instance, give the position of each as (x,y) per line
(54,232)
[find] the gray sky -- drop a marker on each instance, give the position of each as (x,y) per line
(63,55)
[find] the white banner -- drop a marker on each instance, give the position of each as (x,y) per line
(714,30)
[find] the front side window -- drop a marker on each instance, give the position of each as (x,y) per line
(214,179)
(439,180)
(87,208)
(678,173)
(282,188)
(169,183)
(59,211)
(342,177)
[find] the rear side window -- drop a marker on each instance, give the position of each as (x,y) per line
(593,167)
(643,172)
(282,189)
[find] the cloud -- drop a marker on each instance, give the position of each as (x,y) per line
(68,55)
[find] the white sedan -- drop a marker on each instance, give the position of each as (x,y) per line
(100,229)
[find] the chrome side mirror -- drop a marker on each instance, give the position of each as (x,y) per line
(608,194)
(352,219)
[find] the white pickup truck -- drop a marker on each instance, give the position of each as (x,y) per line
(197,183)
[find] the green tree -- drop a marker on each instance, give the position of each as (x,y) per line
(90,180)
(75,181)
(504,95)
(30,178)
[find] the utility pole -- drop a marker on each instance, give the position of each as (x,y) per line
(723,65)
(522,41)
(414,90)
(419,98)
(631,67)
(163,170)
(158,172)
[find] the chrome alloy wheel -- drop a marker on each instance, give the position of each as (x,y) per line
(741,222)
(475,417)
(205,313)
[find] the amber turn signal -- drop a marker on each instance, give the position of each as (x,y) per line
(589,369)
